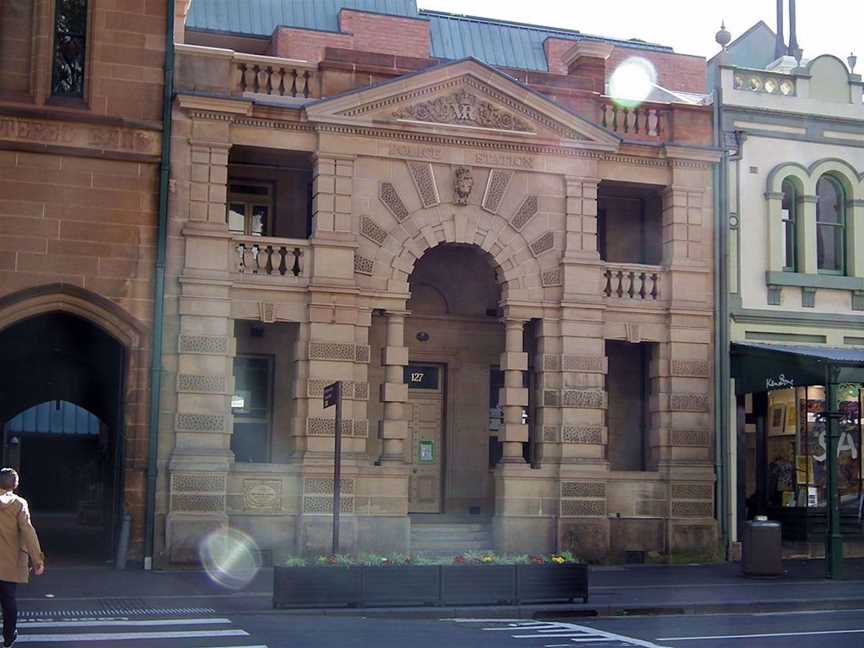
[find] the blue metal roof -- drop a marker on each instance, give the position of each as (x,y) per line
(261,17)
(454,37)
(504,43)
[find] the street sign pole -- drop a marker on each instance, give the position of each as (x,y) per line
(833,538)
(333,396)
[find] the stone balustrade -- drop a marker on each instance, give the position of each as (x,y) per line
(277,77)
(256,255)
(632,281)
(640,121)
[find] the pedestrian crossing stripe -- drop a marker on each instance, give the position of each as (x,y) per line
(117,631)
(574,635)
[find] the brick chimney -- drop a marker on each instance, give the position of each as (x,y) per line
(587,60)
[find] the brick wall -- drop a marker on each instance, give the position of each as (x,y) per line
(80,221)
(674,71)
(387,34)
(359,31)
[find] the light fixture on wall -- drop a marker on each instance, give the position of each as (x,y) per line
(852,60)
(422,336)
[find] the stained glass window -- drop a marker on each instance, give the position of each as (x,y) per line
(70,40)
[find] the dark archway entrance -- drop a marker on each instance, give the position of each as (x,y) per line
(61,401)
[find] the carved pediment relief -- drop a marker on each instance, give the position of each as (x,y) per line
(463,107)
(466,98)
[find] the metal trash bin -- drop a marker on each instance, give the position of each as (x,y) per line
(761,548)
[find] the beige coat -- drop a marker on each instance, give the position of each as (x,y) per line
(18,541)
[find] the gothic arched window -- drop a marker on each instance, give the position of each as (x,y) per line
(830,225)
(70,41)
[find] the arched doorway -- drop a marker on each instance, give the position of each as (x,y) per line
(455,340)
(61,401)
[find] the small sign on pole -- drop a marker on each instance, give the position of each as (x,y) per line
(333,396)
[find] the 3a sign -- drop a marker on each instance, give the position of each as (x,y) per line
(331,394)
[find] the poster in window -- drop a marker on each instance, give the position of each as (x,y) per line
(427,451)
(776,420)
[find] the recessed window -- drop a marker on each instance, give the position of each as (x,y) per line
(830,226)
(789,215)
(250,206)
(70,45)
(251,405)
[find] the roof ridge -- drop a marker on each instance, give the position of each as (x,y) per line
(544,28)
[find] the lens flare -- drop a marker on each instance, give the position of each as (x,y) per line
(632,82)
(230,557)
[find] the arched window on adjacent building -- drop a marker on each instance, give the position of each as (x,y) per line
(830,226)
(789,212)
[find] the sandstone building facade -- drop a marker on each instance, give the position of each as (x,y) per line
(81,87)
(511,273)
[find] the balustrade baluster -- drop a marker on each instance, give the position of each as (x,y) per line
(238,257)
(653,122)
(655,293)
(641,291)
(631,278)
(296,269)
(631,121)
(607,289)
(619,279)
(607,116)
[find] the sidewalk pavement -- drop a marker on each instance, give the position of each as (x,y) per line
(614,591)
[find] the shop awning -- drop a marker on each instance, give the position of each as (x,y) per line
(760,367)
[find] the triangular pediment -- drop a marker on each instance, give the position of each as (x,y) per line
(464,98)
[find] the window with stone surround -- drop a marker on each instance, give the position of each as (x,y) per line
(830,226)
(628,417)
(629,223)
(251,405)
(70,48)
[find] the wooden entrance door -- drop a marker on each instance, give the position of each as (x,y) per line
(425,426)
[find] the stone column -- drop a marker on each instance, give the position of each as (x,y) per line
(855,239)
(806,234)
(776,250)
(394,391)
(513,396)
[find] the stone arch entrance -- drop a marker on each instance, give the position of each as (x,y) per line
(454,334)
(70,400)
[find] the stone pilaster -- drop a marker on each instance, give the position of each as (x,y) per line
(776,246)
(547,416)
(394,391)
(513,396)
(855,238)
(806,235)
(682,225)
(581,217)
(208,188)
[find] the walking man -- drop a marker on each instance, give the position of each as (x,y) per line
(18,547)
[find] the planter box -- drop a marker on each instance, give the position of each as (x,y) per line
(401,585)
(321,587)
(317,586)
(541,583)
(478,584)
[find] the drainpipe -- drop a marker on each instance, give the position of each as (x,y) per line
(721,315)
(159,294)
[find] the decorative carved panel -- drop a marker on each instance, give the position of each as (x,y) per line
(693,491)
(496,186)
(463,108)
(424,179)
(372,230)
(692,509)
(688,402)
(361,353)
(587,364)
(552,278)
(542,244)
(362,265)
(582,434)
(583,508)
(198,503)
(690,368)
(584,398)
(200,423)
(583,489)
(390,198)
(201,384)
(551,362)
(185,483)
(551,433)
(551,398)
(689,437)
(527,210)
(262,495)
(332,351)
(211,344)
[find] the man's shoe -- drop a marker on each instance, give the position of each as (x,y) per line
(9,644)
